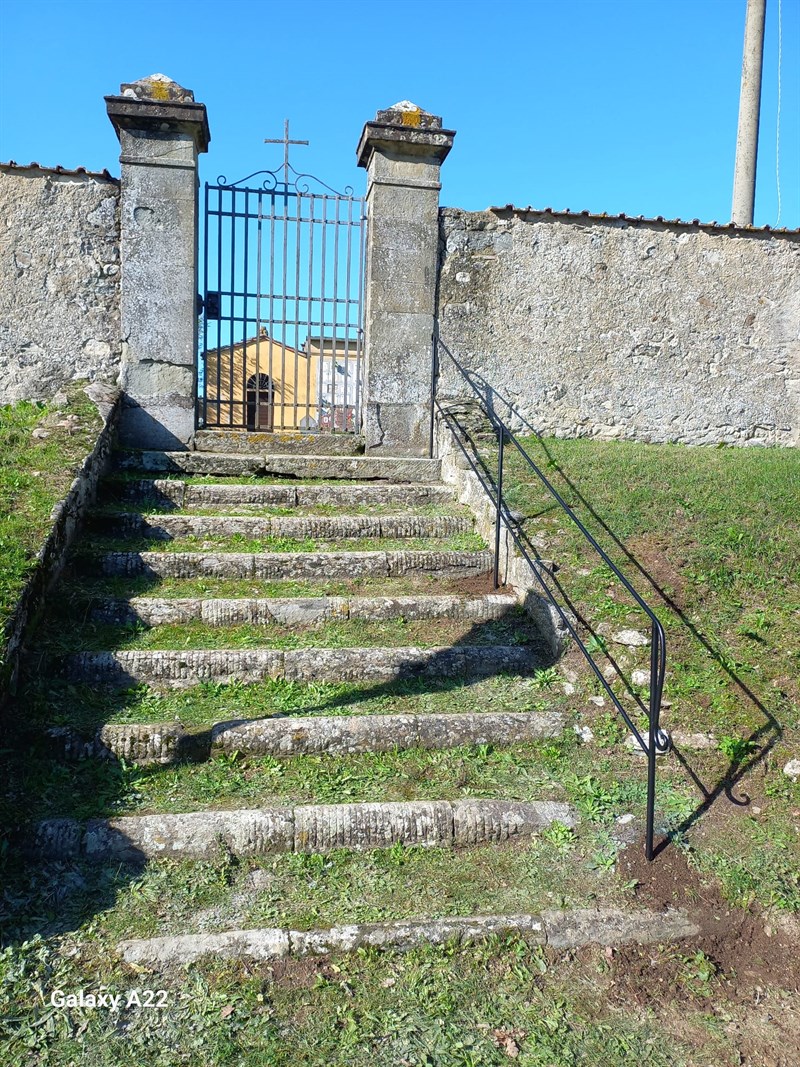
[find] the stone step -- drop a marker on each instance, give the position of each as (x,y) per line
(180,668)
(181,494)
(316,527)
(170,742)
(280,441)
(397,469)
(283,565)
(300,611)
(306,828)
(558,929)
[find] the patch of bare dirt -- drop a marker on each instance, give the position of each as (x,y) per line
(742,971)
(655,558)
(298,973)
(477,586)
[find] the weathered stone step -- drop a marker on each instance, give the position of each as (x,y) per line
(557,929)
(184,495)
(281,565)
(317,527)
(300,611)
(179,668)
(307,828)
(397,469)
(382,733)
(280,441)
(169,742)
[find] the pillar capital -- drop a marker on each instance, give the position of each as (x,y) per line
(405,131)
(160,106)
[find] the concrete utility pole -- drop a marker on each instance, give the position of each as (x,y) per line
(744,175)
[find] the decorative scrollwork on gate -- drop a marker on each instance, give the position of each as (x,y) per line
(273,183)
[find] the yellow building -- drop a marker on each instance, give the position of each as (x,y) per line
(261,384)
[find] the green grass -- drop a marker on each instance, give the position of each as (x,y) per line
(464,542)
(513,629)
(444,1007)
(94,788)
(48,701)
(34,475)
(600,788)
(304,891)
(711,538)
(756,861)
(147,506)
(84,587)
(226,479)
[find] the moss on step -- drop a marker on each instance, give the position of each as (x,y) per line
(54,702)
(514,629)
(148,507)
(80,590)
(463,542)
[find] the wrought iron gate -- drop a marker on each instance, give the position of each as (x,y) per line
(282,337)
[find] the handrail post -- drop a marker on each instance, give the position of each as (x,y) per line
(501,436)
(652,740)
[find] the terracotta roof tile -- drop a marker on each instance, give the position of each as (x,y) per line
(604,217)
(82,171)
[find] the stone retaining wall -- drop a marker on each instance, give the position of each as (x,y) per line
(624,329)
(66,518)
(59,281)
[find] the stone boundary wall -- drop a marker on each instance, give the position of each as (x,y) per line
(59,280)
(66,519)
(613,328)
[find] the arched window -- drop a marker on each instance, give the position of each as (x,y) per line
(264,384)
(260,402)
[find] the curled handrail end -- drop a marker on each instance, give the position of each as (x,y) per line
(663,742)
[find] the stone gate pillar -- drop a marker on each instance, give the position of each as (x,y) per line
(161,130)
(402,151)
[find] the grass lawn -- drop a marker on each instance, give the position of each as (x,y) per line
(711,538)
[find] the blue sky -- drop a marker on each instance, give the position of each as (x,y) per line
(606,105)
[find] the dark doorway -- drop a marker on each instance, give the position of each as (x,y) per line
(260,402)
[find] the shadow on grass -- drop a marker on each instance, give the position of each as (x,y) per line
(49,896)
(762,739)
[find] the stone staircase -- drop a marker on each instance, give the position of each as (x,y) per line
(236,571)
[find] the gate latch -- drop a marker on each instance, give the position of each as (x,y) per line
(212,306)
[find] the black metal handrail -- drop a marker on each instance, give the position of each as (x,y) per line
(657,741)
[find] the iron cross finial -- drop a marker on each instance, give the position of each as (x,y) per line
(285,142)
